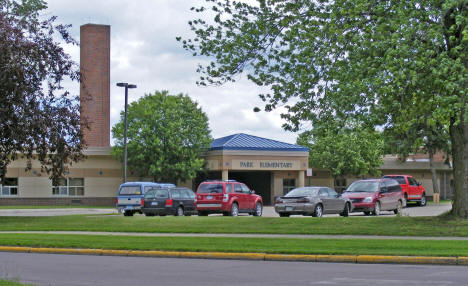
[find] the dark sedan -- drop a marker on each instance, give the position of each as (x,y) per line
(315,201)
(173,201)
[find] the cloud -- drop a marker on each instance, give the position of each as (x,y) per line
(144,52)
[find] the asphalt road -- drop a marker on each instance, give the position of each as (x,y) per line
(74,270)
(412,210)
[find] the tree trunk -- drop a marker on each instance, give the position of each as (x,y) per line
(459,137)
(435,181)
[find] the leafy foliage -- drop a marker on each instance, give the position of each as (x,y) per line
(166,136)
(38,119)
(344,151)
(386,63)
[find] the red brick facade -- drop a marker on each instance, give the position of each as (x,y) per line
(95,83)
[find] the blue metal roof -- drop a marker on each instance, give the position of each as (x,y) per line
(243,141)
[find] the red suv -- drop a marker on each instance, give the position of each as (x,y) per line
(227,197)
(374,196)
(412,189)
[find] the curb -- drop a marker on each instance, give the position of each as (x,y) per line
(373,259)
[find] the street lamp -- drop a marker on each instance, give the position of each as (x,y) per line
(127,86)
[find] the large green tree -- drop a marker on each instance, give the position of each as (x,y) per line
(344,151)
(385,63)
(166,137)
(39,120)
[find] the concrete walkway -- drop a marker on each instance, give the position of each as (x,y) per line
(301,236)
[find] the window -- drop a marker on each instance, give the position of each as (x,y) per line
(412,181)
(245,189)
(323,193)
(332,193)
(175,194)
(288,184)
(228,188)
(10,187)
(162,194)
(238,188)
(70,187)
(184,194)
(210,188)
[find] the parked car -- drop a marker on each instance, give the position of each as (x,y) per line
(314,201)
(169,201)
(130,194)
(375,195)
(413,191)
(227,197)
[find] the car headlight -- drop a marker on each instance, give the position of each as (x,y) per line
(367,200)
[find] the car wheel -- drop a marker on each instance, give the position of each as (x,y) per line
(423,201)
(149,214)
(399,207)
(346,211)
(180,211)
(202,213)
(376,211)
(234,210)
(258,210)
(128,213)
(284,214)
(406,199)
(367,213)
(318,210)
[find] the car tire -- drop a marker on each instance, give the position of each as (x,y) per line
(399,208)
(346,211)
(423,200)
(128,213)
(202,213)
(225,213)
(318,210)
(405,197)
(284,214)
(367,213)
(180,211)
(258,209)
(376,211)
(234,210)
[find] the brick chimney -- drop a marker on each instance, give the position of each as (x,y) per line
(95,83)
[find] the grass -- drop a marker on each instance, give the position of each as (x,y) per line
(398,226)
(54,207)
(258,245)
(4,282)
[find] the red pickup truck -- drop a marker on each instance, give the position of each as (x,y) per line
(412,189)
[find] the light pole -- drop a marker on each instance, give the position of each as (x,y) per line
(127,86)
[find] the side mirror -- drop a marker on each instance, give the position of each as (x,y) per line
(418,183)
(252,192)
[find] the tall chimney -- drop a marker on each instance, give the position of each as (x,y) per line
(95,83)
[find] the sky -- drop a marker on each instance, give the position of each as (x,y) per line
(144,52)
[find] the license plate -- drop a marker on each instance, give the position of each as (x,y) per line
(154,203)
(209,197)
(289,208)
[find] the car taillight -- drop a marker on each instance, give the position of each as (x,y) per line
(303,200)
(225,197)
(169,203)
(116,200)
(142,202)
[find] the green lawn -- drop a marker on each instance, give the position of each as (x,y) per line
(259,245)
(400,226)
(4,282)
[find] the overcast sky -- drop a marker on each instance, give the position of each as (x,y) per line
(144,52)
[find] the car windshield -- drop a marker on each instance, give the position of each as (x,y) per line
(363,187)
(210,188)
(130,190)
(400,179)
(300,192)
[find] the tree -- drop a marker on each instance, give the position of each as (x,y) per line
(419,138)
(344,151)
(38,118)
(166,137)
(385,63)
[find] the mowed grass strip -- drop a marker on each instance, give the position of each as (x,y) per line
(397,226)
(4,282)
(258,245)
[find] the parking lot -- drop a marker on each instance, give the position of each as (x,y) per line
(268,211)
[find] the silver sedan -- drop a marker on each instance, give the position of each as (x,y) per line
(315,201)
